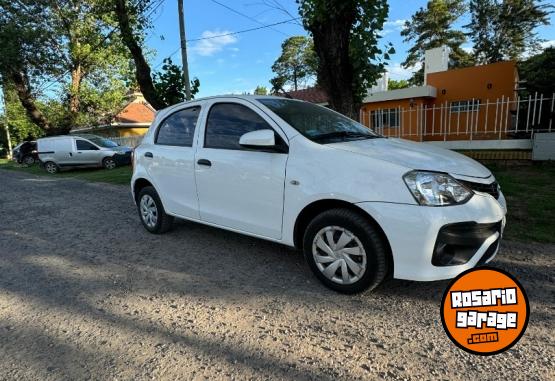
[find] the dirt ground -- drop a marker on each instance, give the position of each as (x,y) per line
(87,293)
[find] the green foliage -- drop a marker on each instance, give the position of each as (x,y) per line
(432,27)
(28,39)
(296,64)
(20,127)
(395,85)
(345,35)
(260,90)
(538,72)
(170,84)
(505,30)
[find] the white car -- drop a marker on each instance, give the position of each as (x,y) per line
(361,207)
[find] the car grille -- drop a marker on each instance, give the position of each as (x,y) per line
(492,188)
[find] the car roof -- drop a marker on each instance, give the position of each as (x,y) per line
(248,97)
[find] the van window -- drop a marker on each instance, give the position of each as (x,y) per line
(227,122)
(179,128)
(83,145)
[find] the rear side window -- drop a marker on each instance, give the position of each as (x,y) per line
(83,145)
(179,128)
(227,122)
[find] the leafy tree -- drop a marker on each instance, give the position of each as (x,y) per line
(395,85)
(505,29)
(20,126)
(169,84)
(261,90)
(133,20)
(538,72)
(29,50)
(68,44)
(296,63)
(278,83)
(345,35)
(432,27)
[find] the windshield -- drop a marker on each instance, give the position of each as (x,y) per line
(101,142)
(316,122)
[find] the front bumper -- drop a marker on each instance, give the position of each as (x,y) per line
(414,233)
(122,158)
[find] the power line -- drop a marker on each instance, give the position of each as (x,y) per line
(230,34)
(244,31)
(246,16)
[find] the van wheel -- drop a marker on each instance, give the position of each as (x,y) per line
(345,251)
(51,167)
(109,163)
(152,213)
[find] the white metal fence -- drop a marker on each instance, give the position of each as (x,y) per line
(129,141)
(503,118)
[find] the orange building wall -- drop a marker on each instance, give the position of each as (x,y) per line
(472,82)
(489,83)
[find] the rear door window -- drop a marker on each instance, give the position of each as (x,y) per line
(227,122)
(179,128)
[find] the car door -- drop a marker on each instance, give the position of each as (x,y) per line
(170,162)
(239,188)
(86,153)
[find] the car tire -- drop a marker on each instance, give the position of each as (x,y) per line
(355,260)
(51,167)
(28,160)
(151,211)
(109,163)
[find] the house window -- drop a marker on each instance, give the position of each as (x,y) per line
(465,106)
(386,118)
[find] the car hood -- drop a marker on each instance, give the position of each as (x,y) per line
(118,149)
(415,155)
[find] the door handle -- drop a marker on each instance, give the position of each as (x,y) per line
(148,154)
(204,162)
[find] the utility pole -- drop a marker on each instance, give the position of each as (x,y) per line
(184,50)
(8,138)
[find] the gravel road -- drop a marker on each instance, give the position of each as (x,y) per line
(86,293)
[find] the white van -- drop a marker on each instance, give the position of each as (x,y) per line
(81,151)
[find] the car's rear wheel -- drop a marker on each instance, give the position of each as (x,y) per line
(152,213)
(28,160)
(51,167)
(109,163)
(345,251)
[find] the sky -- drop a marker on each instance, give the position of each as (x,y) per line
(239,63)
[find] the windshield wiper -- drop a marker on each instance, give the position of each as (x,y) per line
(342,135)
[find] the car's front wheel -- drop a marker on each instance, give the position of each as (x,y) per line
(109,163)
(28,160)
(152,213)
(345,251)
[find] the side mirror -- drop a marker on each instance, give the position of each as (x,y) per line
(258,139)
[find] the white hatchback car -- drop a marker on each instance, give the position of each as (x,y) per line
(359,205)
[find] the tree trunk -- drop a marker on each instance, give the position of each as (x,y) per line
(335,71)
(76,77)
(142,70)
(21,85)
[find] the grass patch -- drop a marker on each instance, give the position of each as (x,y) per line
(530,193)
(119,175)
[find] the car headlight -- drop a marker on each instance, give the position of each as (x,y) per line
(436,189)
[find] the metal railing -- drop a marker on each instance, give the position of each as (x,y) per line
(504,118)
(129,141)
